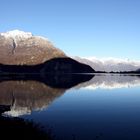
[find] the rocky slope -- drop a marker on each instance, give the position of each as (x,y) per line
(23,48)
(22,52)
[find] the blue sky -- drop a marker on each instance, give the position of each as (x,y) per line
(101,28)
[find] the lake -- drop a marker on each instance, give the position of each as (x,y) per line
(76,107)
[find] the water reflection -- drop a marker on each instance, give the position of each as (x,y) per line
(22,94)
(90,110)
(111,81)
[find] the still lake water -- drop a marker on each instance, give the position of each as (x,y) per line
(99,107)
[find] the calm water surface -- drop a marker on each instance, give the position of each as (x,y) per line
(103,107)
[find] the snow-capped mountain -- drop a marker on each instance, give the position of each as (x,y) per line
(23,48)
(17,35)
(109,64)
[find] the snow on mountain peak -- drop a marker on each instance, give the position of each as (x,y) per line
(110,64)
(17,35)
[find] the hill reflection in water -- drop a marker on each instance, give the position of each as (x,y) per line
(96,102)
(23,94)
(111,81)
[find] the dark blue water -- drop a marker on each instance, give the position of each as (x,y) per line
(88,114)
(104,108)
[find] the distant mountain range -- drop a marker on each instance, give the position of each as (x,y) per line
(110,64)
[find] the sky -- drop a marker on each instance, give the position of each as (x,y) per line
(100,28)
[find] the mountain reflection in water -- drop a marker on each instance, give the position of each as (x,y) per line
(105,106)
(23,94)
(111,81)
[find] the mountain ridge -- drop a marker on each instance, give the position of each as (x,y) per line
(23,48)
(22,52)
(110,64)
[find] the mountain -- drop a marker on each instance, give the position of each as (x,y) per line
(23,48)
(52,66)
(22,52)
(110,64)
